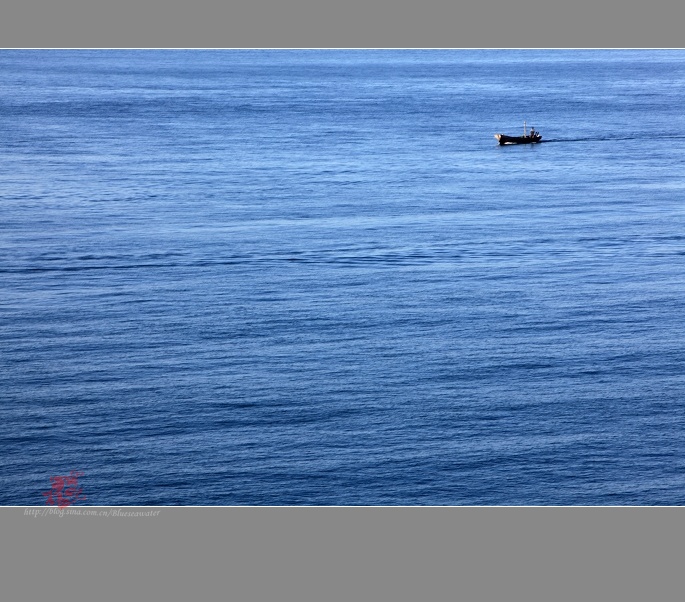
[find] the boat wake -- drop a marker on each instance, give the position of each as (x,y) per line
(613,138)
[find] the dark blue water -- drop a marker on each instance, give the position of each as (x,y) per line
(307,277)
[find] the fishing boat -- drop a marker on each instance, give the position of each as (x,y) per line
(528,137)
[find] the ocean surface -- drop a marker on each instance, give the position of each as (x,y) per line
(314,278)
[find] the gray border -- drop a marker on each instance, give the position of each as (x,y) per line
(347,554)
(340,24)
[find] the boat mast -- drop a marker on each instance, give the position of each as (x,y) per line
(524,129)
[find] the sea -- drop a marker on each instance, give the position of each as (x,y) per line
(313,278)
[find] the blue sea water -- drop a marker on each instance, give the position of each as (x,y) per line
(313,277)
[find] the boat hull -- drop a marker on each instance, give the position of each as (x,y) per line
(504,139)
